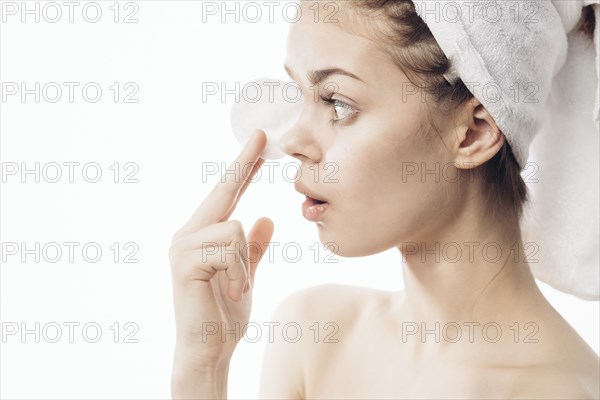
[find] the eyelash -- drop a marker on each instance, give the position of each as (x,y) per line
(335,102)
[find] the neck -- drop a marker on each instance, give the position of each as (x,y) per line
(472,271)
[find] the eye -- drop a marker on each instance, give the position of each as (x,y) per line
(343,111)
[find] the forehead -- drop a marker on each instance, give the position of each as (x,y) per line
(327,36)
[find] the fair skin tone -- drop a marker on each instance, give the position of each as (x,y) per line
(372,208)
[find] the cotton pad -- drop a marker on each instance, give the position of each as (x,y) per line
(271,105)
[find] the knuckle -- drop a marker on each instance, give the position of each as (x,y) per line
(236,226)
(176,236)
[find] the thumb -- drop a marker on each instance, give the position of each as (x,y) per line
(258,239)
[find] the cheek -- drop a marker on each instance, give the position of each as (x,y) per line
(371,159)
(380,202)
(370,190)
(375,167)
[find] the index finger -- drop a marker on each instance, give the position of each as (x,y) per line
(253,172)
(223,196)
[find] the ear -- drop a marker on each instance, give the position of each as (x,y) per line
(478,139)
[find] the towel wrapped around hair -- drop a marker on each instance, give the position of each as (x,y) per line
(538,76)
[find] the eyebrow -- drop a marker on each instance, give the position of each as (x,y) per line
(318,76)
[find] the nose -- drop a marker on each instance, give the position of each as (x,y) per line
(300,142)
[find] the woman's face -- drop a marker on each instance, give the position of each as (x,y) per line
(375,167)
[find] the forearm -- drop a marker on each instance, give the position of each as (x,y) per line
(195,382)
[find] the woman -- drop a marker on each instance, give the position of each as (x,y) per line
(471,326)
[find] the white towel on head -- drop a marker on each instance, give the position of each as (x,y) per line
(538,77)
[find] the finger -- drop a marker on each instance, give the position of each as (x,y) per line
(237,176)
(258,242)
(219,247)
(219,234)
(238,275)
(203,264)
(251,175)
(222,197)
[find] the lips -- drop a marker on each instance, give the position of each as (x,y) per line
(315,201)
(314,211)
(311,201)
(315,206)
(310,195)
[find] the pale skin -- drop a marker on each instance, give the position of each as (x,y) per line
(373,208)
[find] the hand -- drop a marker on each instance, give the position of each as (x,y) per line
(213,266)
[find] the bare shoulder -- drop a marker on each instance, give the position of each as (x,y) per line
(569,369)
(333,319)
(314,323)
(331,295)
(558,383)
(344,303)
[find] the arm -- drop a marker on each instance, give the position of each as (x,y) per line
(192,383)
(212,291)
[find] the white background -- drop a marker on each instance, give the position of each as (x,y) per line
(171,135)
